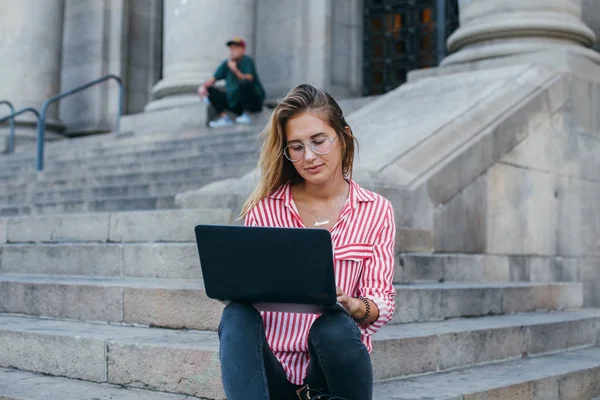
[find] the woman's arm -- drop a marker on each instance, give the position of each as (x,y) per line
(376,281)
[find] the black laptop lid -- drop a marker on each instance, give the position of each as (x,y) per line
(260,264)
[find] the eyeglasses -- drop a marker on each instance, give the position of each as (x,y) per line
(320,145)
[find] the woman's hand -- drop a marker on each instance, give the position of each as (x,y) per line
(351,304)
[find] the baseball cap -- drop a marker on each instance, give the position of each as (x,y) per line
(236,40)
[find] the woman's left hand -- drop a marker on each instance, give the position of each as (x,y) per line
(351,304)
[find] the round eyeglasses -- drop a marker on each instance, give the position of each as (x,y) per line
(321,145)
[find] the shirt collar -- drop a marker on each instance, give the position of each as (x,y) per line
(357,194)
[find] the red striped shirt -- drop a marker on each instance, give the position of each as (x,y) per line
(363,241)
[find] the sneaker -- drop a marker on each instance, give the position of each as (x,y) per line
(243,119)
(221,122)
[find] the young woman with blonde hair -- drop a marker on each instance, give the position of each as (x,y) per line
(306,168)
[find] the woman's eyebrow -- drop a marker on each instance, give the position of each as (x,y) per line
(311,137)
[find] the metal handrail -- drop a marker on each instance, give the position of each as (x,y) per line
(42,121)
(12,116)
(11,135)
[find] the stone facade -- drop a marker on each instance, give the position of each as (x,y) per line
(163,49)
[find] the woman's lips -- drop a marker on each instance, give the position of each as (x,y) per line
(315,169)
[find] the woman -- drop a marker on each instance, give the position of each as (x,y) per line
(306,164)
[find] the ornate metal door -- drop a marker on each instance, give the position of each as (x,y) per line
(402,35)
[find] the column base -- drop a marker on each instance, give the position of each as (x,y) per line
(577,60)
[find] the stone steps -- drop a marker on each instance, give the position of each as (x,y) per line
(173,303)
(98,204)
(571,375)
(117,227)
(198,161)
(149,175)
(186,361)
(135,152)
(171,187)
(71,150)
(19,385)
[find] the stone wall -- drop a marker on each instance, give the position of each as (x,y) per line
(102,37)
(314,41)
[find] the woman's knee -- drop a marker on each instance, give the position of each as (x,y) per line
(332,329)
(239,316)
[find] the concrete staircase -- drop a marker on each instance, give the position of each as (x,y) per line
(123,174)
(112,304)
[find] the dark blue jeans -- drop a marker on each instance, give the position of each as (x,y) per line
(339,362)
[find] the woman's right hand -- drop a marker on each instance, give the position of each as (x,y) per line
(202,91)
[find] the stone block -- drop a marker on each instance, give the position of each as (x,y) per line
(521,210)
(478,302)
(392,358)
(460,224)
(84,259)
(59,228)
(167,226)
(545,338)
(422,268)
(521,299)
(185,308)
(569,216)
(461,268)
(590,219)
(54,354)
(82,302)
(414,240)
(3,230)
(590,276)
(580,385)
(180,369)
(496,268)
(408,303)
(472,347)
(432,305)
(161,261)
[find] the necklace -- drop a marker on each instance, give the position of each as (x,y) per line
(320,221)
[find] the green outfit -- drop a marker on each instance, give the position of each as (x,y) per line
(232,83)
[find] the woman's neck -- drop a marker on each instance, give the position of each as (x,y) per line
(329,190)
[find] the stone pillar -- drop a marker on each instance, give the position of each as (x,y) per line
(492,29)
(194,37)
(30,59)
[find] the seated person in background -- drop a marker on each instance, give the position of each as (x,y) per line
(243,90)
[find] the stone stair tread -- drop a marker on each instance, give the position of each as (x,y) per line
(21,385)
(160,359)
(106,281)
(422,329)
(515,376)
(209,340)
(477,285)
(204,340)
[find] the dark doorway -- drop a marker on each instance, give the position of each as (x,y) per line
(402,35)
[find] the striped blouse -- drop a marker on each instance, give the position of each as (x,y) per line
(363,241)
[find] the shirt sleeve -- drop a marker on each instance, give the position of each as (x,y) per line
(250,220)
(376,281)
(246,66)
(221,71)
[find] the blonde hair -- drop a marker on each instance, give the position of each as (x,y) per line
(275,168)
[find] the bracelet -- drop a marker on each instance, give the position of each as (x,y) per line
(366,316)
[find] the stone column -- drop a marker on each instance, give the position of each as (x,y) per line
(499,28)
(194,37)
(30,59)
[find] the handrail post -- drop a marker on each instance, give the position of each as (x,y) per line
(41,135)
(11,134)
(23,111)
